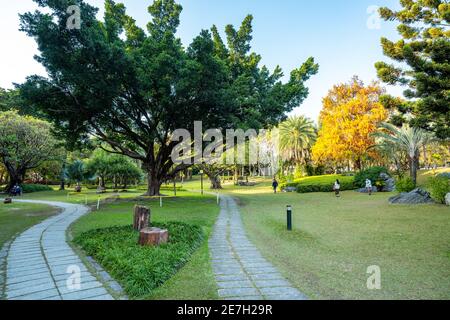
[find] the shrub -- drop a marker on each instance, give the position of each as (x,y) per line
(29,188)
(444,175)
(140,269)
(320,183)
(405,184)
(372,173)
(439,187)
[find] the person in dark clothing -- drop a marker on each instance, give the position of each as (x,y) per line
(274,185)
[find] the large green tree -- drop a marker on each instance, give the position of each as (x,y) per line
(25,143)
(423,61)
(9,99)
(116,168)
(132,88)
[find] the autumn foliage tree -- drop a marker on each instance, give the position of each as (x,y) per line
(351,113)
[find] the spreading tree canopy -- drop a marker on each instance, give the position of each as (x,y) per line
(131,88)
(25,143)
(423,61)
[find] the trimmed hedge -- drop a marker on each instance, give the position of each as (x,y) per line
(321,183)
(140,269)
(29,188)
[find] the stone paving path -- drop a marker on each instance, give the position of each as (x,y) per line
(240,270)
(40,263)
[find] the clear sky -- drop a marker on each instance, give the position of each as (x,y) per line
(342,35)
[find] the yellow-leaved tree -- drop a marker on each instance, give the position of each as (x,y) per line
(351,112)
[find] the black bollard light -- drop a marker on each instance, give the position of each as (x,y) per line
(201,180)
(289,217)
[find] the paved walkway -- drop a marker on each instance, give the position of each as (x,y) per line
(42,266)
(240,270)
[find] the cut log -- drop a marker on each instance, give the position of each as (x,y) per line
(141,218)
(153,237)
(7,200)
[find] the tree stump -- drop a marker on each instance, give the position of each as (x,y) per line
(141,218)
(153,237)
(7,200)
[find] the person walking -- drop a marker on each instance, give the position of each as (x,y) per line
(369,186)
(337,188)
(274,185)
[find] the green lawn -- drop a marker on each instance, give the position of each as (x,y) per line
(195,279)
(335,240)
(17,217)
(326,255)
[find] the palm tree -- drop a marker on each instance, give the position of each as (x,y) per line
(408,139)
(297,136)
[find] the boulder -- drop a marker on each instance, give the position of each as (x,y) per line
(447,199)
(7,200)
(289,189)
(389,182)
(417,196)
(364,190)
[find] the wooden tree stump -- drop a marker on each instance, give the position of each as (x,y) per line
(7,200)
(141,218)
(153,237)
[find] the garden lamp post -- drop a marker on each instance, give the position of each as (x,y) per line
(201,180)
(289,217)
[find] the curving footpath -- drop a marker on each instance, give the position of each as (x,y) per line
(240,270)
(40,265)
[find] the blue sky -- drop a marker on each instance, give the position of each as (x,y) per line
(286,32)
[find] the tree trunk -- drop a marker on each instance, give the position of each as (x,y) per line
(215,182)
(425,157)
(141,218)
(15,177)
(102,182)
(153,186)
(358,164)
(413,168)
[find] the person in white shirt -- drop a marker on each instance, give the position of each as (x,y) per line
(369,186)
(337,188)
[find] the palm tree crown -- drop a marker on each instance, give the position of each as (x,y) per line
(408,139)
(297,136)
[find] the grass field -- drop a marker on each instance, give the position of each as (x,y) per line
(326,256)
(334,241)
(195,280)
(17,217)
